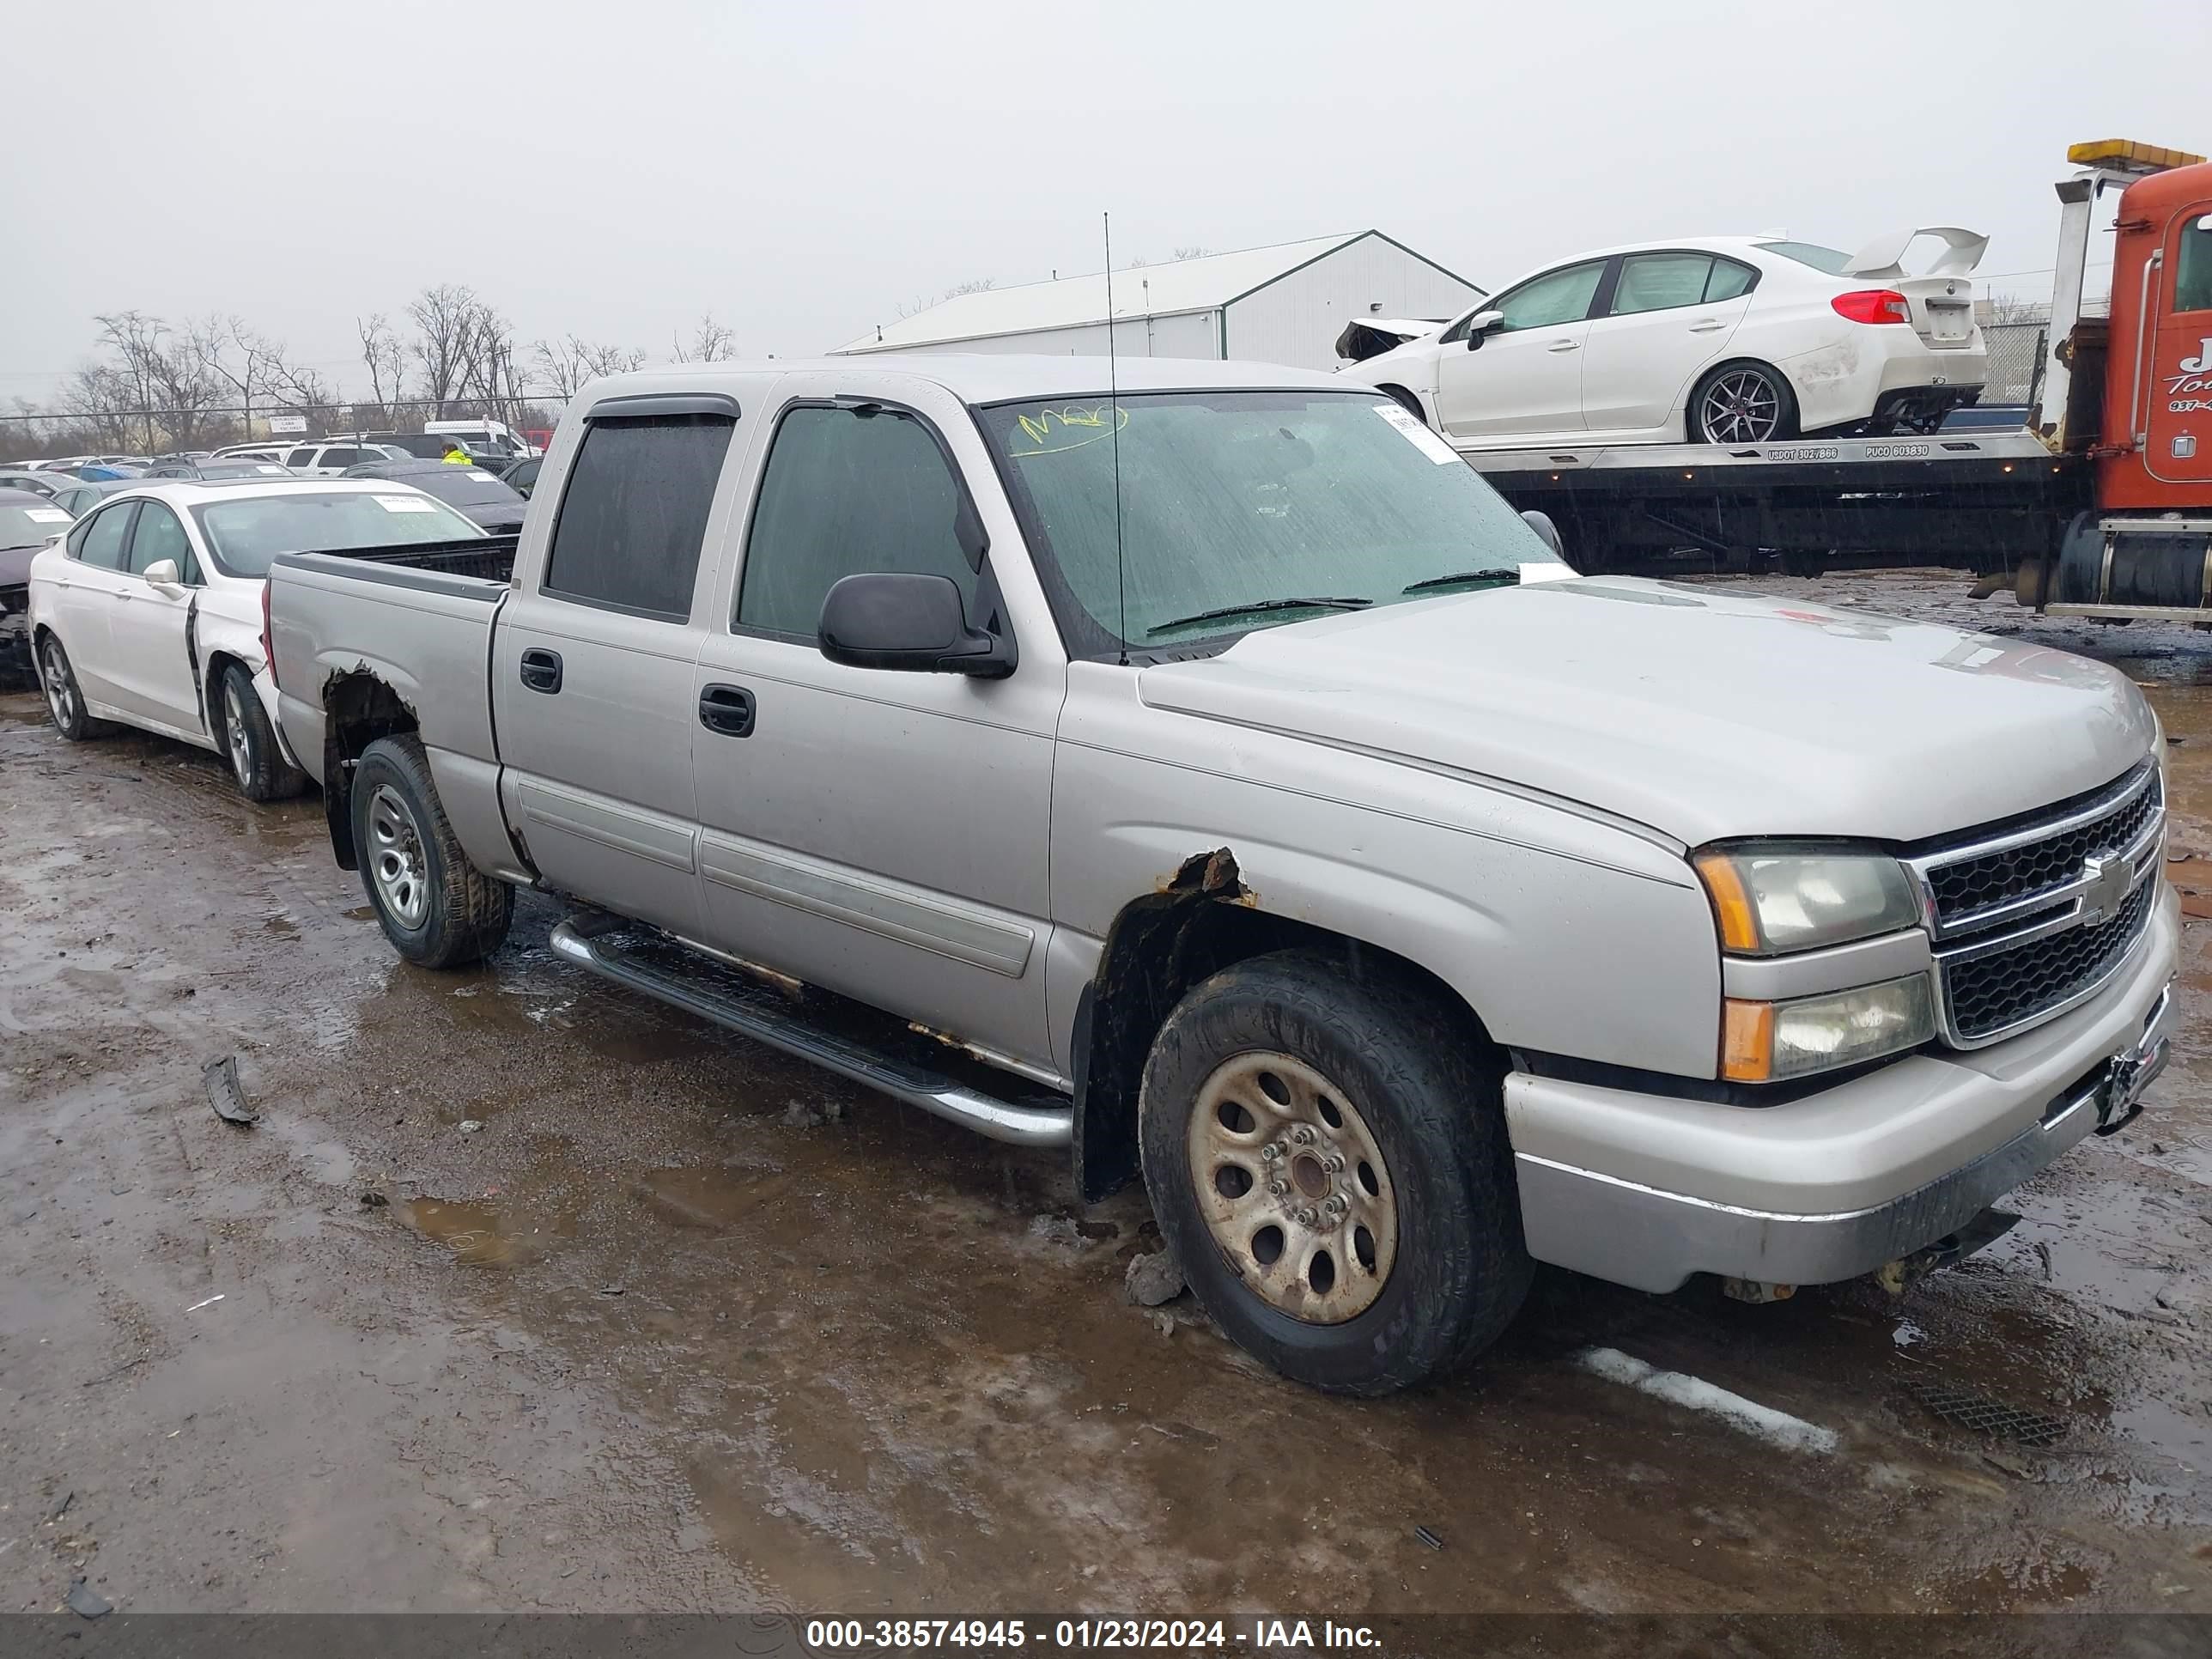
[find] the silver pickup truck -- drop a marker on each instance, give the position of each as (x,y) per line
(1215,778)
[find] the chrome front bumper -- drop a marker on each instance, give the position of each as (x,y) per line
(1653,1240)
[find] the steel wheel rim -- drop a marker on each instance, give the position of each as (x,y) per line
(1302,1208)
(395,858)
(234,722)
(60,699)
(1741,407)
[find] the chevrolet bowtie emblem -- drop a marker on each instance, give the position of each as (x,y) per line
(2105,885)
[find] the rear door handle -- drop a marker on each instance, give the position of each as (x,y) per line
(541,670)
(727,709)
(1707,326)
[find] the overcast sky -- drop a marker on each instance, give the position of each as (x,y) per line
(614,168)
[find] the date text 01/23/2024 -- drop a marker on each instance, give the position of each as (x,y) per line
(896,1634)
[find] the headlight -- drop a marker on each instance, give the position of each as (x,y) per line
(1767,1041)
(1775,898)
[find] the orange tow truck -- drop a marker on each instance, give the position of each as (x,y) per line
(2130,394)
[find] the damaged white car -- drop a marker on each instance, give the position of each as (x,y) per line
(1720,339)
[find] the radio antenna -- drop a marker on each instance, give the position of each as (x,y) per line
(1114,427)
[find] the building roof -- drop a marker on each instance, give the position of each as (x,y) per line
(1163,290)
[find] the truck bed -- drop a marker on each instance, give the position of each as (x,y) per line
(490,557)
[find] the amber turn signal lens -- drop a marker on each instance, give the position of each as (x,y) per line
(1747,1041)
(1739,924)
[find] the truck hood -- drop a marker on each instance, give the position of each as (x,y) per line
(1700,715)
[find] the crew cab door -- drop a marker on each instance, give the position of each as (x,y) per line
(150,656)
(2177,430)
(1671,314)
(1522,378)
(592,665)
(883,834)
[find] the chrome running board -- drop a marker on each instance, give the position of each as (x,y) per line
(741,1004)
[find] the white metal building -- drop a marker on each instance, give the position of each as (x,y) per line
(1285,304)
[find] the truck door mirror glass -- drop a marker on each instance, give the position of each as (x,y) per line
(1479,324)
(901,620)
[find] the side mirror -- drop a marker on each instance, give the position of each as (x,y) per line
(1479,324)
(162,577)
(887,619)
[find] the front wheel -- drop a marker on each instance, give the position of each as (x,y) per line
(436,908)
(1742,404)
(1326,1154)
(249,741)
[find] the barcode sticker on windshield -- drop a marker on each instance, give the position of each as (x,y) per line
(1422,439)
(46,514)
(483,477)
(405,504)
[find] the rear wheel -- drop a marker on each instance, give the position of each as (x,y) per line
(1327,1156)
(249,741)
(436,908)
(64,698)
(1742,404)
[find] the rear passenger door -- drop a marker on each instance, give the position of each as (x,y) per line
(592,669)
(882,834)
(88,588)
(1672,313)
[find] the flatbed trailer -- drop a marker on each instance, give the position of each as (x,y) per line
(1988,499)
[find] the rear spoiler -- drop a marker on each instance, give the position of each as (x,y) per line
(1882,259)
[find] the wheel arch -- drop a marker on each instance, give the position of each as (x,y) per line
(1407,398)
(1160,946)
(358,708)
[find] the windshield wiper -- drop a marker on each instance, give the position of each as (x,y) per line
(1501,574)
(1253,605)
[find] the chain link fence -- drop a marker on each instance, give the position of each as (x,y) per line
(2016,353)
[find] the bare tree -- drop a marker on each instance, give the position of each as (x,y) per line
(710,342)
(239,357)
(445,320)
(973,285)
(567,364)
(1193,252)
(386,358)
(166,371)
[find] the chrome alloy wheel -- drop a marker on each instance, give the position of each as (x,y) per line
(233,729)
(1742,406)
(1293,1188)
(61,695)
(396,860)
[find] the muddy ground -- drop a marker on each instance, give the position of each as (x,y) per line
(683,1325)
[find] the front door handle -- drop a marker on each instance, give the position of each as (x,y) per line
(541,670)
(727,709)
(1564,345)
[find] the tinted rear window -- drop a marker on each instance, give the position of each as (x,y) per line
(635,513)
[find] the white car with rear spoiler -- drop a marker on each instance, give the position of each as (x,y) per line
(1725,340)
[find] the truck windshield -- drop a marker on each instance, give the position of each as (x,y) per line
(244,535)
(1231,501)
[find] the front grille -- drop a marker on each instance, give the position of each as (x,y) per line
(2021,871)
(2015,939)
(1990,994)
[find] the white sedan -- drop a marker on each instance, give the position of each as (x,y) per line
(151,612)
(1720,339)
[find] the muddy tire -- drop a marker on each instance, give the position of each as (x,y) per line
(249,742)
(64,698)
(1741,403)
(1327,1156)
(437,908)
